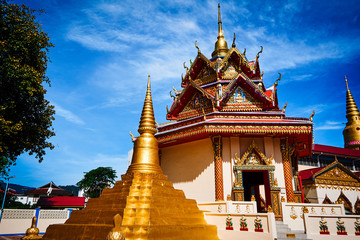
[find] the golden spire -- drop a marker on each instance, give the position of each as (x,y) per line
(351,132)
(146,152)
(221,47)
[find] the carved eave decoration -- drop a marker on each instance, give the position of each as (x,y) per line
(199,63)
(239,61)
(184,97)
(246,157)
(248,85)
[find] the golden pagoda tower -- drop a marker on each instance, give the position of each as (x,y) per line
(352,130)
(143,205)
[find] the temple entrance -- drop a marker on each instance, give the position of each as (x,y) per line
(256,183)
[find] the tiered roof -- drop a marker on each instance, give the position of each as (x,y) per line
(226,95)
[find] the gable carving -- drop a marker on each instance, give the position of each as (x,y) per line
(337,174)
(253,156)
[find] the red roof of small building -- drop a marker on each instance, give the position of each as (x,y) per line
(309,173)
(61,201)
(55,191)
(336,150)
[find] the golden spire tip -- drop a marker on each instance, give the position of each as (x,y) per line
(347,86)
(219,22)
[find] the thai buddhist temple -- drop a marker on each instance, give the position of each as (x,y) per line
(227,137)
(240,163)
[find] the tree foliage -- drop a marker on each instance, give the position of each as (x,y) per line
(96,180)
(25,115)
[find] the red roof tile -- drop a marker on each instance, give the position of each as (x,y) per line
(309,173)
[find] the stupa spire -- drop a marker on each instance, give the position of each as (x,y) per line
(351,108)
(351,132)
(221,47)
(147,120)
(146,152)
(220,31)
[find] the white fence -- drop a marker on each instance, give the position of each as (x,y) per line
(312,225)
(293,213)
(16,221)
(232,207)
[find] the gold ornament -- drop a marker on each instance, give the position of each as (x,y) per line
(32,232)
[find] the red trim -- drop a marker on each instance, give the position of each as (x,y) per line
(302,191)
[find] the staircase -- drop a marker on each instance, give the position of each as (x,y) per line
(285,233)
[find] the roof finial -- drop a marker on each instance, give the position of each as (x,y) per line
(221,47)
(220,33)
(234,45)
(347,86)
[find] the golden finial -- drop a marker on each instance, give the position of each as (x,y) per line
(32,232)
(167,109)
(221,47)
(173,97)
(204,114)
(283,110)
(234,45)
(347,85)
(277,80)
(146,151)
(282,199)
(187,69)
(244,53)
(132,136)
(311,116)
(253,198)
(197,47)
(275,183)
(262,74)
(116,233)
(220,31)
(258,54)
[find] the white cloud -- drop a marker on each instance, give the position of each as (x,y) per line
(68,115)
(330,125)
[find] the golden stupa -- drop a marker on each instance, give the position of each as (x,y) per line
(352,130)
(143,205)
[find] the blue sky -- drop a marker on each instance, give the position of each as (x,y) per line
(104,51)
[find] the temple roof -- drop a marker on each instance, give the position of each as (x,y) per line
(43,190)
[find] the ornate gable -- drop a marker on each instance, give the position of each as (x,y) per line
(253,156)
(241,100)
(336,176)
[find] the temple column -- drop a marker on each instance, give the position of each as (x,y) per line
(219,185)
(286,160)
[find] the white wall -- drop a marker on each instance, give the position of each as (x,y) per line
(190,167)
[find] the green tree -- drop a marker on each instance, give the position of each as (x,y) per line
(25,115)
(96,180)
